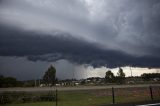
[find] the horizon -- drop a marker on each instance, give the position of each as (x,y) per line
(75,71)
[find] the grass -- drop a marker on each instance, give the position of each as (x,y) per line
(72,98)
(81,98)
(32,104)
(95,97)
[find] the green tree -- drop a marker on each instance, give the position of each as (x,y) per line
(1,81)
(50,76)
(109,77)
(149,76)
(8,82)
(120,76)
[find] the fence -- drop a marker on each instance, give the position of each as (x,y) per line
(135,94)
(87,97)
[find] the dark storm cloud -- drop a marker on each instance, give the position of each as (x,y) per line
(121,25)
(100,33)
(62,46)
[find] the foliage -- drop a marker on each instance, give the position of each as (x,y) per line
(120,76)
(50,76)
(148,76)
(9,82)
(109,77)
(121,73)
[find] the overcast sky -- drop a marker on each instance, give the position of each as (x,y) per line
(96,33)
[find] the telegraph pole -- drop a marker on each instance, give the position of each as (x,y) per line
(131,71)
(35,83)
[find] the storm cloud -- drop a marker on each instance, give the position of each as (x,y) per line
(52,48)
(107,33)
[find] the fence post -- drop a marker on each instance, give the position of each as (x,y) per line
(113,100)
(56,98)
(150,87)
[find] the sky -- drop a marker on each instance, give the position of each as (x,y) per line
(81,38)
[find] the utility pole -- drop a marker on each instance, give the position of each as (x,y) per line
(35,83)
(39,82)
(73,77)
(131,71)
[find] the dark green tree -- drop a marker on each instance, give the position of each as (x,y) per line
(1,81)
(8,82)
(149,76)
(109,77)
(120,76)
(50,76)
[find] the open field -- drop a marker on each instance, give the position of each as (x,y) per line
(87,95)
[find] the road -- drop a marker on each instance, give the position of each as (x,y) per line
(34,89)
(148,103)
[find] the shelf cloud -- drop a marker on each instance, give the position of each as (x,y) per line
(107,33)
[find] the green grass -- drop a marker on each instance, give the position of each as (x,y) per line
(72,98)
(33,104)
(92,97)
(81,98)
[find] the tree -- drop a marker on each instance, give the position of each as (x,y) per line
(120,76)
(9,82)
(121,73)
(149,76)
(50,76)
(109,77)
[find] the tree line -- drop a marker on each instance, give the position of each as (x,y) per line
(149,76)
(9,82)
(49,78)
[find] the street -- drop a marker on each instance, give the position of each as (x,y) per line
(147,103)
(60,88)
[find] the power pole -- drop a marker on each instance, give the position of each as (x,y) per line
(35,83)
(131,71)
(39,82)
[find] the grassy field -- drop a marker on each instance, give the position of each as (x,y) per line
(94,97)
(72,98)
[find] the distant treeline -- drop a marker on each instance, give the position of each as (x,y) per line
(9,82)
(149,76)
(13,82)
(109,78)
